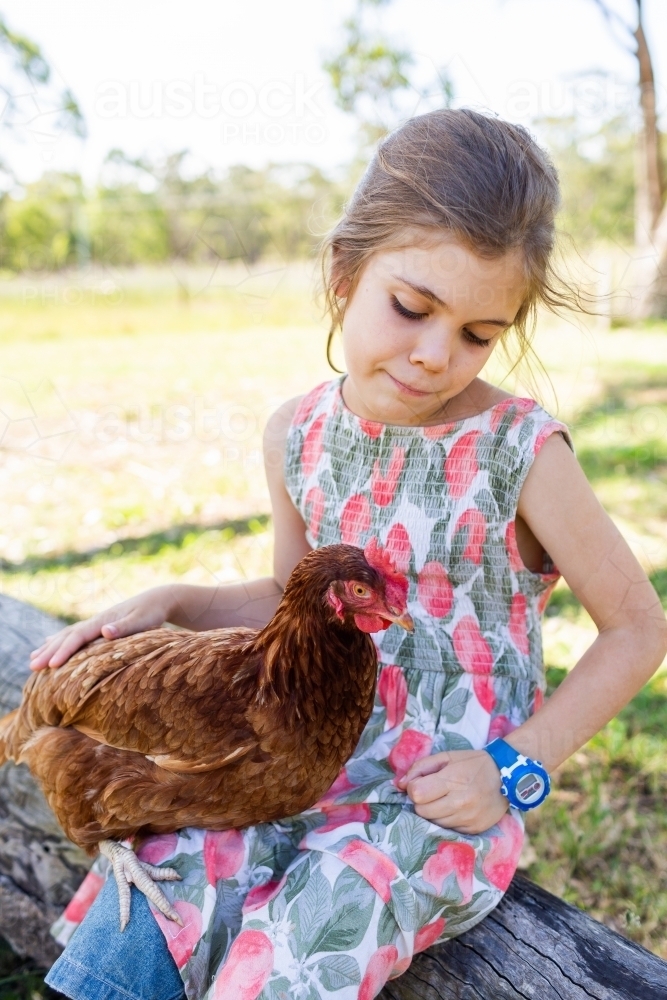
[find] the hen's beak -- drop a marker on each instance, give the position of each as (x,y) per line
(404,620)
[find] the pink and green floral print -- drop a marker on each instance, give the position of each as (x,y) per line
(337,900)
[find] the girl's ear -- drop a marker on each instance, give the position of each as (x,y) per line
(340,285)
(342,288)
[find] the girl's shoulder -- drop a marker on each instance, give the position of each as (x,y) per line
(309,406)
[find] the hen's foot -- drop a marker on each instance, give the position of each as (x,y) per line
(127,868)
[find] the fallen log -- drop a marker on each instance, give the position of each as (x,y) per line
(532,946)
(39,867)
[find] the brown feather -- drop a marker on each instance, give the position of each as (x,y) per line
(220,729)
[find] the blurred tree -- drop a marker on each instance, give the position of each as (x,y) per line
(151,212)
(376,81)
(650,187)
(650,208)
(42,229)
(26,82)
(597,175)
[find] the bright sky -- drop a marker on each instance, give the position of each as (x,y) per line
(242,81)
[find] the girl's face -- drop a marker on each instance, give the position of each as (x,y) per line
(420,326)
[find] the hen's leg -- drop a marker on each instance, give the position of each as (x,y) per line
(128,868)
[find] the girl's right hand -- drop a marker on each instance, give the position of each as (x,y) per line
(146,611)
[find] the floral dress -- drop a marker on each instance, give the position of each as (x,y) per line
(335,901)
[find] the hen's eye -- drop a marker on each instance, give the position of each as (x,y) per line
(360,591)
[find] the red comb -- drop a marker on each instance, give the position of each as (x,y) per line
(379,559)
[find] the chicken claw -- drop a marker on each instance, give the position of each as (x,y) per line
(127,868)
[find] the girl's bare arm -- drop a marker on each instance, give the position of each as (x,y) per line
(460,788)
(251,602)
(562,511)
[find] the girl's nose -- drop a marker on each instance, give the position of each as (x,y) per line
(432,350)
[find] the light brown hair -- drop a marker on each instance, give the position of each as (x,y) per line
(471,175)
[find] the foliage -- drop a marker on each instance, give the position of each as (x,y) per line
(599,840)
(23,62)
(375,80)
(143,212)
(597,175)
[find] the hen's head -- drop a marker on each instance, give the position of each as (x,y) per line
(364,588)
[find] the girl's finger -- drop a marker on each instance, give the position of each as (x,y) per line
(426,765)
(440,810)
(64,651)
(44,653)
(429,788)
(47,639)
(127,625)
(71,641)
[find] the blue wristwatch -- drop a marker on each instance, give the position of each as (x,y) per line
(525,782)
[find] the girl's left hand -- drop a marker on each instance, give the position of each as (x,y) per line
(457,789)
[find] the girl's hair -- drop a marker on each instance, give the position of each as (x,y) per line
(483,180)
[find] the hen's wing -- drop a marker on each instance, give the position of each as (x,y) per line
(179,698)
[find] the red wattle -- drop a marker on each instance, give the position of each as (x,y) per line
(371,623)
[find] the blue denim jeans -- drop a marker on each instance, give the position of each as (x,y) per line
(100,963)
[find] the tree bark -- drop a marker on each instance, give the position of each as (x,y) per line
(39,867)
(649,194)
(650,297)
(648,291)
(533,946)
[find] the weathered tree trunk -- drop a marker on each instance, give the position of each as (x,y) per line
(650,300)
(39,867)
(650,216)
(648,284)
(533,945)
(648,198)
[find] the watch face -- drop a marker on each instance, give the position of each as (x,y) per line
(530,788)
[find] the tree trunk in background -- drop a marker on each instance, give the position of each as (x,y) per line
(650,294)
(39,867)
(651,302)
(648,199)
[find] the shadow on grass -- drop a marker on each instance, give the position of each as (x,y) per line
(145,545)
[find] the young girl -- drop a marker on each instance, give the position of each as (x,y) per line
(477,497)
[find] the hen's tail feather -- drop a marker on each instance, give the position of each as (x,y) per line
(7,749)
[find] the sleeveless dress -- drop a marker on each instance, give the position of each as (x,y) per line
(336,900)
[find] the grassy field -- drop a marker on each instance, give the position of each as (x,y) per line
(131,414)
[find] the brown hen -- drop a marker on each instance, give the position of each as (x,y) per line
(220,729)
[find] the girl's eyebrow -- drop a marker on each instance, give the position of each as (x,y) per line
(432,297)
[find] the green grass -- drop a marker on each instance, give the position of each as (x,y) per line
(107,488)
(600,839)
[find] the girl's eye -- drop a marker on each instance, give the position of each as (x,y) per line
(360,591)
(407,313)
(479,341)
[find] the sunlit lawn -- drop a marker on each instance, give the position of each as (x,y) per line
(131,457)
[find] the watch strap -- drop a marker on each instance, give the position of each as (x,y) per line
(503,754)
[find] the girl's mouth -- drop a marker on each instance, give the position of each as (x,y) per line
(407,389)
